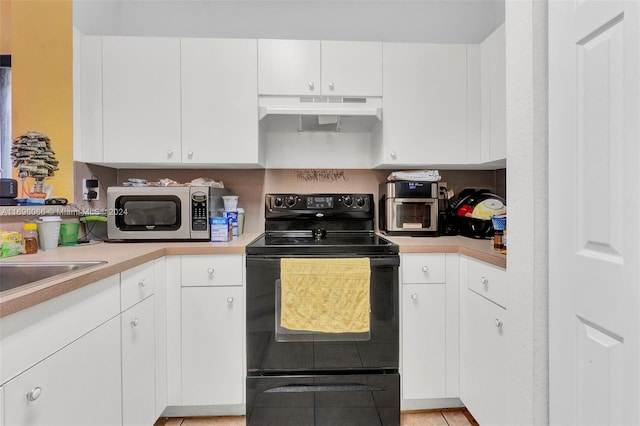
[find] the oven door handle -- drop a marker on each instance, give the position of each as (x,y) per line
(374,261)
(347,387)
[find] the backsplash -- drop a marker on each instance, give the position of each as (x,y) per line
(252,184)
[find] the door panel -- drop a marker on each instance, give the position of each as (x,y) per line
(594,97)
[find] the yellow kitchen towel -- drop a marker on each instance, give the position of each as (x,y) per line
(325,294)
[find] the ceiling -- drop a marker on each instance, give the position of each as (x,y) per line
(430,21)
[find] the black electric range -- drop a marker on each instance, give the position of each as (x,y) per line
(306,377)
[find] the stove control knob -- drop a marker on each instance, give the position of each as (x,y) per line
(278,202)
(291,201)
(360,201)
(347,200)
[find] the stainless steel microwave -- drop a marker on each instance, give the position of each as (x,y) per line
(158,213)
(409,208)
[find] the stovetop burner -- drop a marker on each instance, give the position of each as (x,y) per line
(328,224)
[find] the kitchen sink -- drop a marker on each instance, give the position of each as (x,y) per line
(16,274)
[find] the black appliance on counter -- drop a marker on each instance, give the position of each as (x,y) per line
(309,377)
(460,213)
(8,192)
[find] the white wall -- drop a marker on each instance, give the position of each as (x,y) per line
(527,181)
(435,21)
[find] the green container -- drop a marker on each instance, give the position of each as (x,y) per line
(69,233)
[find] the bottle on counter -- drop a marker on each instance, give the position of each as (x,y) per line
(30,237)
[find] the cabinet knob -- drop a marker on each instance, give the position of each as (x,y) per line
(393,155)
(425,269)
(311,85)
(34,393)
(135,322)
(414,296)
(498,323)
(484,281)
(169,153)
(332,86)
(210,270)
(229,300)
(142,283)
(190,154)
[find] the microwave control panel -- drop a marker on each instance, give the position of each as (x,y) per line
(199,212)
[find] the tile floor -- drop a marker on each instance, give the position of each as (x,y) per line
(453,417)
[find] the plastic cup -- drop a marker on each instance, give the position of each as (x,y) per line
(49,231)
(230,202)
(240,220)
(69,233)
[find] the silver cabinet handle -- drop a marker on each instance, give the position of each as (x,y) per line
(169,153)
(135,322)
(229,300)
(210,270)
(311,85)
(190,154)
(332,86)
(484,281)
(425,269)
(143,282)
(414,296)
(394,155)
(34,393)
(498,323)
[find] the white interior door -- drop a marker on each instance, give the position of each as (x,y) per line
(594,142)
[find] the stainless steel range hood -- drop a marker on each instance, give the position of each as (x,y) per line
(319,113)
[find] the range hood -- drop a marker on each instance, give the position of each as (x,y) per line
(319,113)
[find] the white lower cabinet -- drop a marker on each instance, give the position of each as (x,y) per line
(483,347)
(138,364)
(78,385)
(212,345)
(429,338)
(423,360)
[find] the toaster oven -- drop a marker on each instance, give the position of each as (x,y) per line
(409,208)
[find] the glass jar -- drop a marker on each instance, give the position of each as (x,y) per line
(30,237)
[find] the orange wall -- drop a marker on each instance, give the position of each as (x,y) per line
(42,88)
(5,27)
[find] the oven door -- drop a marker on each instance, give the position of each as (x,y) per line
(412,215)
(270,350)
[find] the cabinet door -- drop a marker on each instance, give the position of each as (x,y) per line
(138,364)
(425,104)
(78,385)
(423,341)
(88,95)
(483,360)
(289,67)
(212,346)
(219,101)
(493,96)
(141,99)
(351,68)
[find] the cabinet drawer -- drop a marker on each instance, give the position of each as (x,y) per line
(488,280)
(200,271)
(418,268)
(136,284)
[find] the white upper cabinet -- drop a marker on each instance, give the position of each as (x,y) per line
(141,99)
(288,67)
(351,68)
(219,102)
(305,67)
(493,104)
(425,105)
